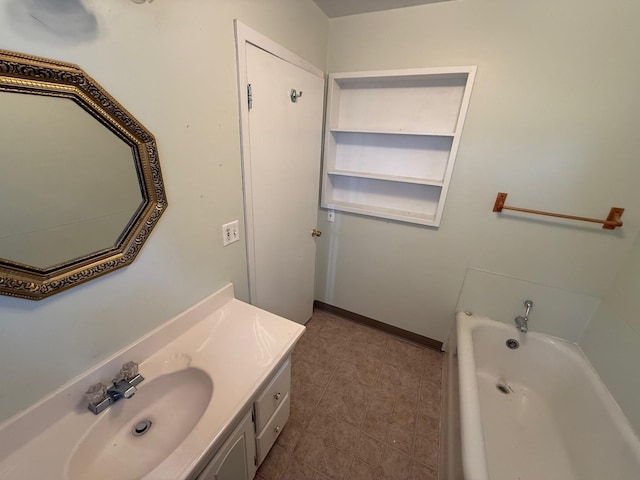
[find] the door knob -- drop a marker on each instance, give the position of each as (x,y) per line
(315,233)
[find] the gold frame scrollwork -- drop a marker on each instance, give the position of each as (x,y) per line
(29,74)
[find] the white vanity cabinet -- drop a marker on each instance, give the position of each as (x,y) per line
(249,443)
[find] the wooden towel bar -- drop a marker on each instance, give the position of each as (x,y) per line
(612,221)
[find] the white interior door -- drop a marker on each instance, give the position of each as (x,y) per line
(281,168)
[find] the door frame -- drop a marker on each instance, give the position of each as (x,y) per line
(246,35)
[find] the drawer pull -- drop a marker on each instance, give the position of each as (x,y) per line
(277,396)
(277,429)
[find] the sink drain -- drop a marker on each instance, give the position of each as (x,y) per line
(141,428)
(512,343)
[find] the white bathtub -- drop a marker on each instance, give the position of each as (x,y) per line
(557,422)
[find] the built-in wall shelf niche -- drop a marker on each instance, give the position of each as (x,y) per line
(391,140)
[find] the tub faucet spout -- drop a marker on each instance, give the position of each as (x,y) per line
(522,322)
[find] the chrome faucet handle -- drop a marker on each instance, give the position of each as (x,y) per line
(95,394)
(528,304)
(129,370)
(129,378)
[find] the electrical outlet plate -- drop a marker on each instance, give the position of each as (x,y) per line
(230,233)
(235,231)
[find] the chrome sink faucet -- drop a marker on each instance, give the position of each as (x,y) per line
(123,386)
(522,322)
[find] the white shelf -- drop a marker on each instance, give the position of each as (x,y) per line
(392,132)
(414,156)
(391,141)
(410,217)
(383,198)
(388,178)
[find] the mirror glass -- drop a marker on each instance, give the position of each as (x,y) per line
(71,185)
(80,181)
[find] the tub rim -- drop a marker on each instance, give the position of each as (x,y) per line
(474,458)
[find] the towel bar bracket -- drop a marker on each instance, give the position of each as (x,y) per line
(613,219)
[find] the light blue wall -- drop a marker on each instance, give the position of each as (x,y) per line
(172,65)
(552,121)
(612,339)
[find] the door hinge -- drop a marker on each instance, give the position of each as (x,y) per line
(255,460)
(249,96)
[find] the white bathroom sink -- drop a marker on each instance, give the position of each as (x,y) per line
(221,342)
(173,403)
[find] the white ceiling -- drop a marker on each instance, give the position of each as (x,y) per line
(341,8)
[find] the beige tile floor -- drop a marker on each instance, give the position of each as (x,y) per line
(364,405)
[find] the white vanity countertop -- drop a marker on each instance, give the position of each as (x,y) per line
(236,344)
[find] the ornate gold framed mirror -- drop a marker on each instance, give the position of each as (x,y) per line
(80,181)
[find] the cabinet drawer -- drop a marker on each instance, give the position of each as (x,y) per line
(268,436)
(273,396)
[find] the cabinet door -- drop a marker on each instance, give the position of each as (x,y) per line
(235,459)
